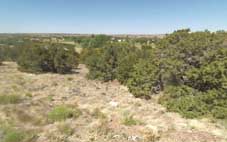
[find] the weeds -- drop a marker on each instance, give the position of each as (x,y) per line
(129,120)
(10,99)
(97,113)
(61,113)
(11,134)
(65,129)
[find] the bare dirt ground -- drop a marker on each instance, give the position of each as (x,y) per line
(109,112)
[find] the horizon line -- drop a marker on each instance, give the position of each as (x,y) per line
(96,33)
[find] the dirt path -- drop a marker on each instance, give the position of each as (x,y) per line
(109,112)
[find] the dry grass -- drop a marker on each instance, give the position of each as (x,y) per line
(81,110)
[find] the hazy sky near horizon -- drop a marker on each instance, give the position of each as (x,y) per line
(111,16)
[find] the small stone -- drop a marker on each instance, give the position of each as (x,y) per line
(116,136)
(134,138)
(114,104)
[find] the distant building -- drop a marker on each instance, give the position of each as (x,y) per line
(35,39)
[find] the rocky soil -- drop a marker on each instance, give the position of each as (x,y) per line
(109,113)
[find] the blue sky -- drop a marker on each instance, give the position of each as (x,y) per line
(111,16)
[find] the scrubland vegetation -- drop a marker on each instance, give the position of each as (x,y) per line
(191,68)
(186,71)
(61,113)
(48,58)
(9,99)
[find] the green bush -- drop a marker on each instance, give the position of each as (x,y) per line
(86,53)
(14,136)
(201,88)
(103,66)
(98,69)
(209,76)
(143,79)
(34,59)
(190,67)
(48,58)
(220,112)
(112,62)
(10,53)
(91,52)
(127,58)
(10,99)
(184,100)
(61,113)
(64,60)
(193,103)
(1,56)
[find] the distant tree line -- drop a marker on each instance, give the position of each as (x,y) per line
(99,41)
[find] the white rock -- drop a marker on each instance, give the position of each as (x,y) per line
(134,138)
(116,136)
(114,104)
